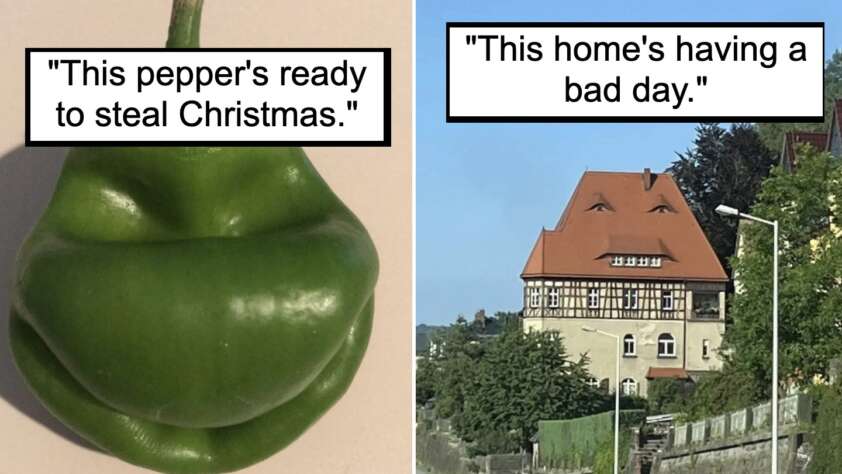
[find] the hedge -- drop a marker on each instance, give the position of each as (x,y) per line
(575,443)
(827,456)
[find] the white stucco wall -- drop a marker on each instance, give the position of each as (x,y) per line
(602,349)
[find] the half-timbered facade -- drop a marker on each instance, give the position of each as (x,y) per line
(628,258)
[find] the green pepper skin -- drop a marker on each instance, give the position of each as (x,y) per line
(192,310)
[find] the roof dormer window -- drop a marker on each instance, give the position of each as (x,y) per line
(642,261)
(662,209)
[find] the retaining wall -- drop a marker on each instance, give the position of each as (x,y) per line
(739,442)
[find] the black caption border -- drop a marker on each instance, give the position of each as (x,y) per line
(387,101)
(625,118)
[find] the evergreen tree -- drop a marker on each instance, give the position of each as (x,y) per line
(454,357)
(722,167)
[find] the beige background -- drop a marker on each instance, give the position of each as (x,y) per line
(367,431)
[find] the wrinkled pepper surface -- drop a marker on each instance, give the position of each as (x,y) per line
(192,310)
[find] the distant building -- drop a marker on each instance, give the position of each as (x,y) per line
(794,140)
(628,257)
(829,141)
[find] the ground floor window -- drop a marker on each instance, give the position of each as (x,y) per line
(629,387)
(666,345)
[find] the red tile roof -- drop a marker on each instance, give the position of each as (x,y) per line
(818,140)
(636,221)
(667,373)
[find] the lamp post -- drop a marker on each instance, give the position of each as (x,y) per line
(732,212)
(616,397)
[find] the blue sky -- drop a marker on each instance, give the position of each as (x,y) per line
(485,190)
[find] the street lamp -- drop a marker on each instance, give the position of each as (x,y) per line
(616,397)
(731,212)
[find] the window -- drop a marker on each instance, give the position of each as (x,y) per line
(593,298)
(628,346)
(534,297)
(706,305)
(635,261)
(629,299)
(553,298)
(666,345)
(705,349)
(593,382)
(629,387)
(666,300)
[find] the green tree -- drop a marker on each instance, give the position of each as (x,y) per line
(721,392)
(828,429)
(811,272)
(523,378)
(425,380)
(723,166)
(772,133)
(455,354)
(668,395)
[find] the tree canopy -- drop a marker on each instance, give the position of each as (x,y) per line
(496,389)
(724,166)
(810,275)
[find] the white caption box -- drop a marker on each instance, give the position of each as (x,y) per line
(288,105)
(483,90)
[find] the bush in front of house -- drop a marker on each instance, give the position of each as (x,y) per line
(669,395)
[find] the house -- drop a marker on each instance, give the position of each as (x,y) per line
(830,141)
(792,143)
(629,258)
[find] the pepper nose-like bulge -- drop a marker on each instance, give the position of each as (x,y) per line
(164,323)
(151,194)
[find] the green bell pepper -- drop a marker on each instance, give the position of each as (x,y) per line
(192,310)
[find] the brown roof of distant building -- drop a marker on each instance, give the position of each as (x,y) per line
(636,221)
(667,373)
(792,140)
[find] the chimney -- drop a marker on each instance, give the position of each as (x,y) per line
(647,179)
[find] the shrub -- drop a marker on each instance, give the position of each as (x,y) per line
(827,456)
(669,395)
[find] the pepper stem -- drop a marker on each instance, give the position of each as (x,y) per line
(184,24)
